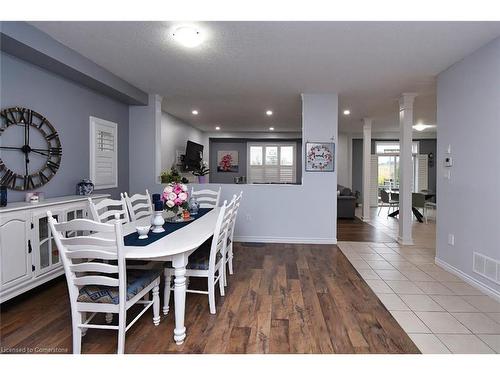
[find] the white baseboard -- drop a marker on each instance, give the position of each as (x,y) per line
(495,294)
(293,240)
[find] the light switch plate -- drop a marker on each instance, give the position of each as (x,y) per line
(451,239)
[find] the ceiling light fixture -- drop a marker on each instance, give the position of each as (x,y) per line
(187,36)
(217,128)
(271,128)
(347,112)
(422,127)
(194,112)
(269,112)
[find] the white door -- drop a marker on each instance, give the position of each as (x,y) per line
(76,212)
(46,254)
(15,256)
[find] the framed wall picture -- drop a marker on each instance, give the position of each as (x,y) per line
(320,157)
(227,161)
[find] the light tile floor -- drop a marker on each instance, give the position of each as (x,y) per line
(439,316)
(440,312)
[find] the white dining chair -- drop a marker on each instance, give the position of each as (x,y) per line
(207,198)
(228,256)
(429,206)
(139,205)
(98,287)
(106,210)
(207,261)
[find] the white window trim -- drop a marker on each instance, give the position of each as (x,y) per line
(272,144)
(417,143)
(93,121)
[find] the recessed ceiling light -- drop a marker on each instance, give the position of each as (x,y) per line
(347,112)
(422,127)
(217,128)
(271,128)
(187,36)
(269,112)
(194,112)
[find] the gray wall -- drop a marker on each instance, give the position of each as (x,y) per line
(68,106)
(174,135)
(468,115)
(240,145)
(426,146)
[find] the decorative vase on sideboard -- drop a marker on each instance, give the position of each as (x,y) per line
(202,179)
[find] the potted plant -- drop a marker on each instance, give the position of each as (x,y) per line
(173,175)
(175,197)
(201,172)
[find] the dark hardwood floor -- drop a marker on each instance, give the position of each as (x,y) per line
(357,230)
(281,299)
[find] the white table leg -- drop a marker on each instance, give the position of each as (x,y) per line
(179,263)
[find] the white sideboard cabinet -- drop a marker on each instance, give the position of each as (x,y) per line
(28,253)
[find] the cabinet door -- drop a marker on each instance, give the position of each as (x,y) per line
(15,259)
(44,246)
(76,212)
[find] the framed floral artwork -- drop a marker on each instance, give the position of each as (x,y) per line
(320,157)
(227,161)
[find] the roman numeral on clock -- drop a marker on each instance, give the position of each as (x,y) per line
(43,178)
(9,179)
(39,126)
(55,151)
(8,116)
(28,182)
(49,137)
(22,116)
(53,166)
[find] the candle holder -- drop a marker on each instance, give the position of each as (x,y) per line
(158,222)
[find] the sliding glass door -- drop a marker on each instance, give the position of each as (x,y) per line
(388,172)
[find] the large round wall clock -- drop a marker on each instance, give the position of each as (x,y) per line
(30,149)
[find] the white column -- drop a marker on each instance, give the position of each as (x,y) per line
(367,156)
(405,167)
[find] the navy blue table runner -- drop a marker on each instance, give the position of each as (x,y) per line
(132,239)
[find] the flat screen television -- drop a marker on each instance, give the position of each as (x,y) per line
(193,156)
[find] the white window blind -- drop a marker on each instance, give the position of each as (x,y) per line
(271,163)
(423,172)
(374,181)
(103,153)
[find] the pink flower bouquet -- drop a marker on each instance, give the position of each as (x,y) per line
(175,197)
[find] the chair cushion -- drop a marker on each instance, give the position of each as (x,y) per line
(345,192)
(199,259)
(137,280)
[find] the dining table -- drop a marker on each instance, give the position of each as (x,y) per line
(427,194)
(175,247)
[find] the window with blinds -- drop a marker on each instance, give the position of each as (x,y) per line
(271,163)
(103,153)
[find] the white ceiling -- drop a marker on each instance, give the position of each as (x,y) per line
(244,68)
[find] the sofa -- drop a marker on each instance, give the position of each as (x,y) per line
(346,202)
